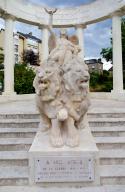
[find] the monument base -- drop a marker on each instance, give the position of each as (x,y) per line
(64,167)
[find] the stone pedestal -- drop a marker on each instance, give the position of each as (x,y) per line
(64,167)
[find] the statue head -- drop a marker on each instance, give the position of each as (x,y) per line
(63,33)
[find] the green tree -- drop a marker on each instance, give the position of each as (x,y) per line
(101,82)
(23,79)
(107,53)
(29,57)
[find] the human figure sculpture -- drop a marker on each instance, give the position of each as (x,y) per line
(62,89)
(64,50)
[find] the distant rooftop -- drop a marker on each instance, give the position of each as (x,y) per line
(93,61)
(29,36)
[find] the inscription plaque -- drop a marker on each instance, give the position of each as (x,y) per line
(64,169)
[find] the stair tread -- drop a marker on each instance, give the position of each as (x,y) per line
(119,153)
(18,120)
(11,172)
(16,130)
(29,140)
(24,154)
(37,120)
(11,141)
(105,188)
(112,170)
(108,129)
(108,119)
(110,139)
(13,155)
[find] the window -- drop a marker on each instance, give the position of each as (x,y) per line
(16,58)
(16,48)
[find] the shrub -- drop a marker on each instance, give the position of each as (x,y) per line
(94,79)
(30,57)
(23,79)
(101,83)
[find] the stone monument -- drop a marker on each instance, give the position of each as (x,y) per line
(63,149)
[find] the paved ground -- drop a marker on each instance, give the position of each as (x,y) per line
(28,106)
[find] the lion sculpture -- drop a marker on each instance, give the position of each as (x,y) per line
(62,97)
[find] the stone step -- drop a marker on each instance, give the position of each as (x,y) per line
(112,174)
(13,175)
(17,132)
(112,153)
(24,143)
(112,170)
(19,116)
(106,188)
(110,142)
(36,115)
(10,144)
(106,115)
(99,122)
(31,129)
(30,132)
(108,131)
(19,123)
(33,123)
(10,158)
(112,157)
(13,155)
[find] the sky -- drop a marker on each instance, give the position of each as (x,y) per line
(96,36)
(61,3)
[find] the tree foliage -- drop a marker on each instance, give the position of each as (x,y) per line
(23,79)
(107,53)
(30,57)
(101,82)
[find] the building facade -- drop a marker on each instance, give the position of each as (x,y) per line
(95,65)
(22,42)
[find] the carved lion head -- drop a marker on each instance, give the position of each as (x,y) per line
(47,83)
(76,77)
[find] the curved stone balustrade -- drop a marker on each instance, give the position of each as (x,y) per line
(85,14)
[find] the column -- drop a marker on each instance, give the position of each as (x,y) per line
(79,33)
(117,55)
(45,49)
(9,56)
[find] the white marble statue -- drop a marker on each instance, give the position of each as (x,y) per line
(64,50)
(62,87)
